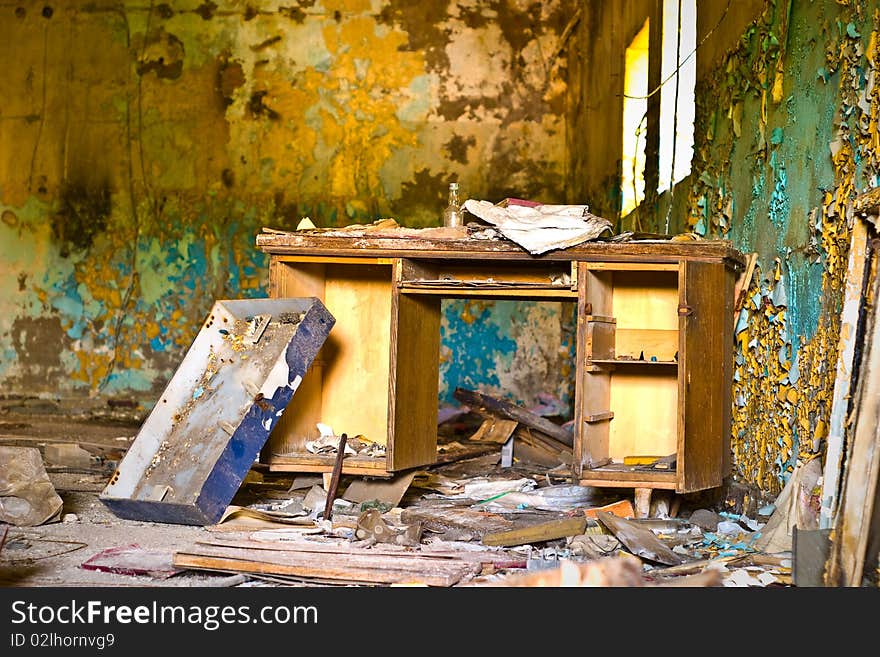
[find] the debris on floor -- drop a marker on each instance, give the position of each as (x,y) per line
(467,522)
(133,560)
(27,496)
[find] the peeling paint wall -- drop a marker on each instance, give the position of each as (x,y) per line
(143,145)
(786,134)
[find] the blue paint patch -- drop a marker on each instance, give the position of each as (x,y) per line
(474,348)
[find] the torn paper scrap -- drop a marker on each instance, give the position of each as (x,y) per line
(543,227)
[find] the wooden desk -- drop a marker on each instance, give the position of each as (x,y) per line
(670,302)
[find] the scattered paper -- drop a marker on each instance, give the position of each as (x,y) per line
(543,227)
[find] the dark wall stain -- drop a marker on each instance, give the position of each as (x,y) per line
(420,21)
(265,44)
(9,218)
(296,14)
(452,110)
(228,178)
(38,342)
(250,13)
(164,56)
(457,148)
(164,11)
(230,76)
(22,282)
(83,213)
(20,12)
(256,108)
(425,193)
(206,10)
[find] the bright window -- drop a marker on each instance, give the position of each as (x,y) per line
(677,118)
(635,121)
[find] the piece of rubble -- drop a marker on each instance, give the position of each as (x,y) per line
(27,496)
(705,519)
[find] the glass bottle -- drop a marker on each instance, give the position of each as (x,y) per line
(452,215)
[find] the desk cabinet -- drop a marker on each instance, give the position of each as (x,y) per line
(654,348)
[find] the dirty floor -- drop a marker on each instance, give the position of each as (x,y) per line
(468,522)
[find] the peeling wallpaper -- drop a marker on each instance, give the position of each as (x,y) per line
(786,134)
(144,145)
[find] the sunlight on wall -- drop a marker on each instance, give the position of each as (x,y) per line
(677,118)
(635,108)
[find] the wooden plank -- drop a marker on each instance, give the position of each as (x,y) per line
(545,441)
(545,531)
(645,403)
(853,525)
(599,417)
(592,384)
(638,540)
(741,288)
(606,480)
(400,244)
(578,438)
(242,561)
(471,520)
(357,356)
(486,404)
(324,260)
(298,423)
(414,386)
(496,293)
(495,430)
(306,462)
(632,266)
(706,359)
(853,300)
(596,399)
(599,338)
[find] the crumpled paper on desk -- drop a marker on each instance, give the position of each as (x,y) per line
(27,496)
(541,228)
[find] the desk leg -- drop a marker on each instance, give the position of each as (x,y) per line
(643,502)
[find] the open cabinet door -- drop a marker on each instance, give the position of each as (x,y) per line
(413,394)
(705,357)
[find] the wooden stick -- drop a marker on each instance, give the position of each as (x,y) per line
(334,479)
(499,407)
(546,531)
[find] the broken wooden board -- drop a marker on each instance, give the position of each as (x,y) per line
(498,407)
(437,518)
(494,430)
(639,541)
(217,411)
(545,531)
(365,568)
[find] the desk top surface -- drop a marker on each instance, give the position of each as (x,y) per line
(460,244)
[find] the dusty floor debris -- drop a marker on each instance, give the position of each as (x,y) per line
(468,522)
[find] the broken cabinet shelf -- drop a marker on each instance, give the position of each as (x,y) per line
(618,475)
(497,292)
(610,363)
